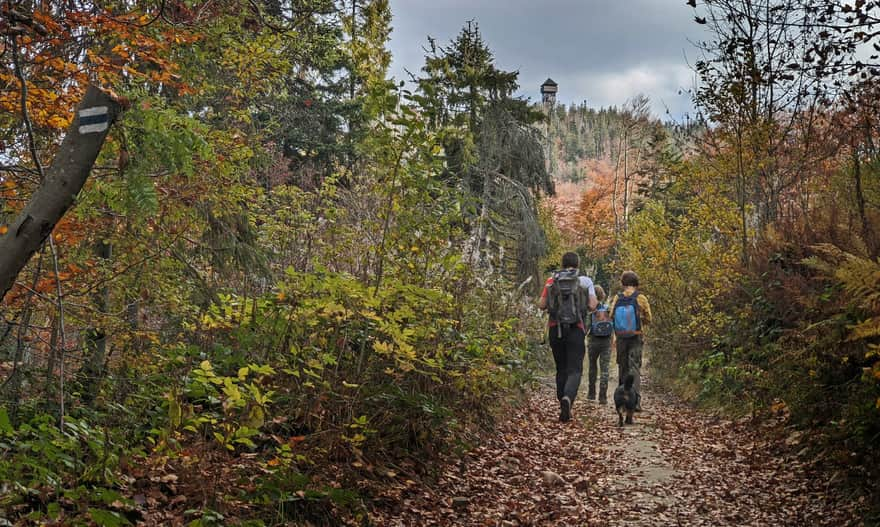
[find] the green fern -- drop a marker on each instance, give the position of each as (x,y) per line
(860,279)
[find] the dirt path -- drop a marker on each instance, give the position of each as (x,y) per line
(674,466)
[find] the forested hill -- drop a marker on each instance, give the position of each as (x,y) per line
(581,134)
(599,155)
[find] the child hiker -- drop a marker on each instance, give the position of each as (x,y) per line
(599,347)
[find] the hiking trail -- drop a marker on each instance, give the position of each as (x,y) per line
(674,466)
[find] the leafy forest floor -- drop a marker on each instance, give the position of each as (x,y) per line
(674,466)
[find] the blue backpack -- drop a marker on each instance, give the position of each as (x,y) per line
(600,322)
(627,322)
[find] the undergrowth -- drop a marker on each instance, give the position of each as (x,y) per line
(318,387)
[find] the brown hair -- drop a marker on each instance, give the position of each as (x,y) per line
(600,293)
(570,259)
(629,278)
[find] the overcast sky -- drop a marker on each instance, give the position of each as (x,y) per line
(601,51)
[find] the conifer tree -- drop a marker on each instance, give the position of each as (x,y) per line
(492,151)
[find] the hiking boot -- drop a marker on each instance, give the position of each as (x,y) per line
(565,409)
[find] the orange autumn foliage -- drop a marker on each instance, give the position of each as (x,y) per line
(566,207)
(595,219)
(120,47)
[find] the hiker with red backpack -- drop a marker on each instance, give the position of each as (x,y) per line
(568,298)
(630,312)
(599,347)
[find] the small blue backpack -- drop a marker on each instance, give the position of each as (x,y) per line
(600,322)
(627,322)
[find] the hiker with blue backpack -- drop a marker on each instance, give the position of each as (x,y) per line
(630,313)
(599,347)
(568,298)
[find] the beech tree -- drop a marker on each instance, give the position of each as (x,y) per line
(59,185)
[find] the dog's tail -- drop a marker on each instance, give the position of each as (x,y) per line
(628,381)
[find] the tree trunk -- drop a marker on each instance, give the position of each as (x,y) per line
(625,181)
(614,192)
(64,179)
(860,202)
(741,200)
(10,390)
(95,338)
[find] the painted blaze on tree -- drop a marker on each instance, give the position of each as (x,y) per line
(63,181)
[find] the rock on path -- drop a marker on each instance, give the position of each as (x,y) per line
(674,466)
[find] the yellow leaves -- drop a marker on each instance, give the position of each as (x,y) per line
(406,350)
(778,406)
(865,329)
(121,51)
(256,417)
(335,311)
(174,410)
(162,76)
(58,64)
(58,122)
(4,229)
(369,314)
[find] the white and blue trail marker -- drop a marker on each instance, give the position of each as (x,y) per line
(93,120)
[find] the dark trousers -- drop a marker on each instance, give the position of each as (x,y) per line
(629,359)
(568,353)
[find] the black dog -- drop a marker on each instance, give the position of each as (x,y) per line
(626,399)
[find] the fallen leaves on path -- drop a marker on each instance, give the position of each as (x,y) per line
(675,466)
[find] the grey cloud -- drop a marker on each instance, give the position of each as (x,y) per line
(601,51)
